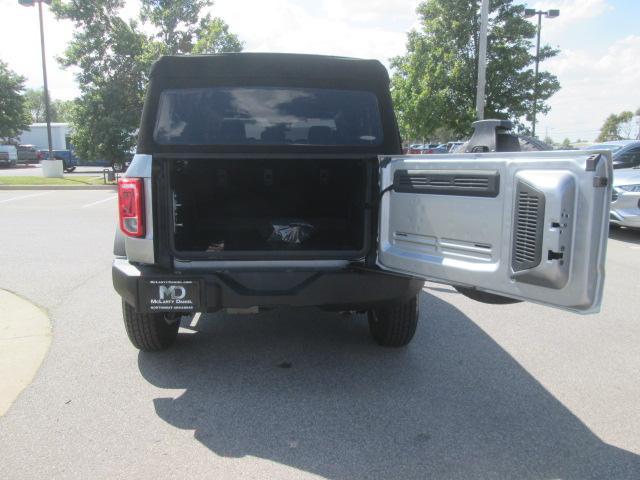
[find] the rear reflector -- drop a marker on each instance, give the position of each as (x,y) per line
(131,206)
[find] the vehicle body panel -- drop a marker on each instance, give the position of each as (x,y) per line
(8,155)
(463,237)
(625,204)
(446,219)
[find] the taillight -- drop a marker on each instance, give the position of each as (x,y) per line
(131,206)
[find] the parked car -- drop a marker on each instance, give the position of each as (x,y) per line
(69,159)
(451,146)
(626,153)
(28,154)
(527,144)
(415,148)
(8,156)
(625,199)
(297,194)
(433,148)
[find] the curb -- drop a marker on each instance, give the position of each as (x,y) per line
(25,337)
(58,187)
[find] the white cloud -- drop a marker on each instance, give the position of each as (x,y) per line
(20,47)
(592,88)
(369,11)
(593,85)
(337,28)
(572,11)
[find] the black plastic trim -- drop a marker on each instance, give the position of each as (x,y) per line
(592,162)
(524,231)
(343,289)
(470,183)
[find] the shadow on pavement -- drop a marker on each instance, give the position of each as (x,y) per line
(310,390)
(625,235)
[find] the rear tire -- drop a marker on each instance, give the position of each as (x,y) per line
(150,332)
(395,324)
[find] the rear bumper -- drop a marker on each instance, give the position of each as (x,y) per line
(344,289)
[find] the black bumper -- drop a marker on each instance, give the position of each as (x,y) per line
(344,289)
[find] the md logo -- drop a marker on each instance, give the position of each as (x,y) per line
(172,292)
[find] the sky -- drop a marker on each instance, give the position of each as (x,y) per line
(598,67)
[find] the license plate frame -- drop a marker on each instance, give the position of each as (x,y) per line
(170,295)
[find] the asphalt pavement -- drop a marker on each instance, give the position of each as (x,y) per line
(507,391)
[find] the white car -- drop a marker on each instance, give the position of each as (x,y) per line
(625,201)
(8,155)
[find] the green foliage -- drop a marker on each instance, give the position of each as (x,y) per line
(548,140)
(616,127)
(566,143)
(60,110)
(434,83)
(176,21)
(213,36)
(113,59)
(63,110)
(34,101)
(14,116)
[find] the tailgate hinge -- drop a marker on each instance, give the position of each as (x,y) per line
(600,182)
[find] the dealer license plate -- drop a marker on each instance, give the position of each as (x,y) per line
(170,295)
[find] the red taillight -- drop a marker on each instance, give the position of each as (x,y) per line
(131,206)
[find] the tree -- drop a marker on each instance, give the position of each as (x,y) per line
(113,59)
(63,110)
(434,83)
(566,143)
(548,140)
(14,117)
(616,127)
(60,110)
(34,101)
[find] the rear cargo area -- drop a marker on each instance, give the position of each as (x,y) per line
(291,208)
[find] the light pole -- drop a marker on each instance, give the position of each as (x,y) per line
(54,171)
(531,12)
(482,59)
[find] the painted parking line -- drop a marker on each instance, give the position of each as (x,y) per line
(100,201)
(24,196)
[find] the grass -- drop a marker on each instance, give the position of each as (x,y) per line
(76,180)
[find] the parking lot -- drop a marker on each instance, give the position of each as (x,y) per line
(507,391)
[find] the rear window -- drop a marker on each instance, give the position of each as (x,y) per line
(267,116)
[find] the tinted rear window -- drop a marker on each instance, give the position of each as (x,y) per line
(267,116)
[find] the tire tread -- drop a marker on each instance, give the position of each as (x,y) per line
(394,325)
(148,331)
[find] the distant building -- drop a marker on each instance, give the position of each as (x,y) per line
(37,135)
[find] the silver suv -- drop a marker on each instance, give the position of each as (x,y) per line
(263,180)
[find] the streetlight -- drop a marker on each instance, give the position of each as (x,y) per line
(52,169)
(531,12)
(482,59)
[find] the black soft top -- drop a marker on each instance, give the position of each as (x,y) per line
(271,65)
(291,69)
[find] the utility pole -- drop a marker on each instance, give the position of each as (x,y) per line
(482,60)
(45,171)
(530,12)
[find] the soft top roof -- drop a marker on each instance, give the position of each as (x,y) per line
(286,65)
